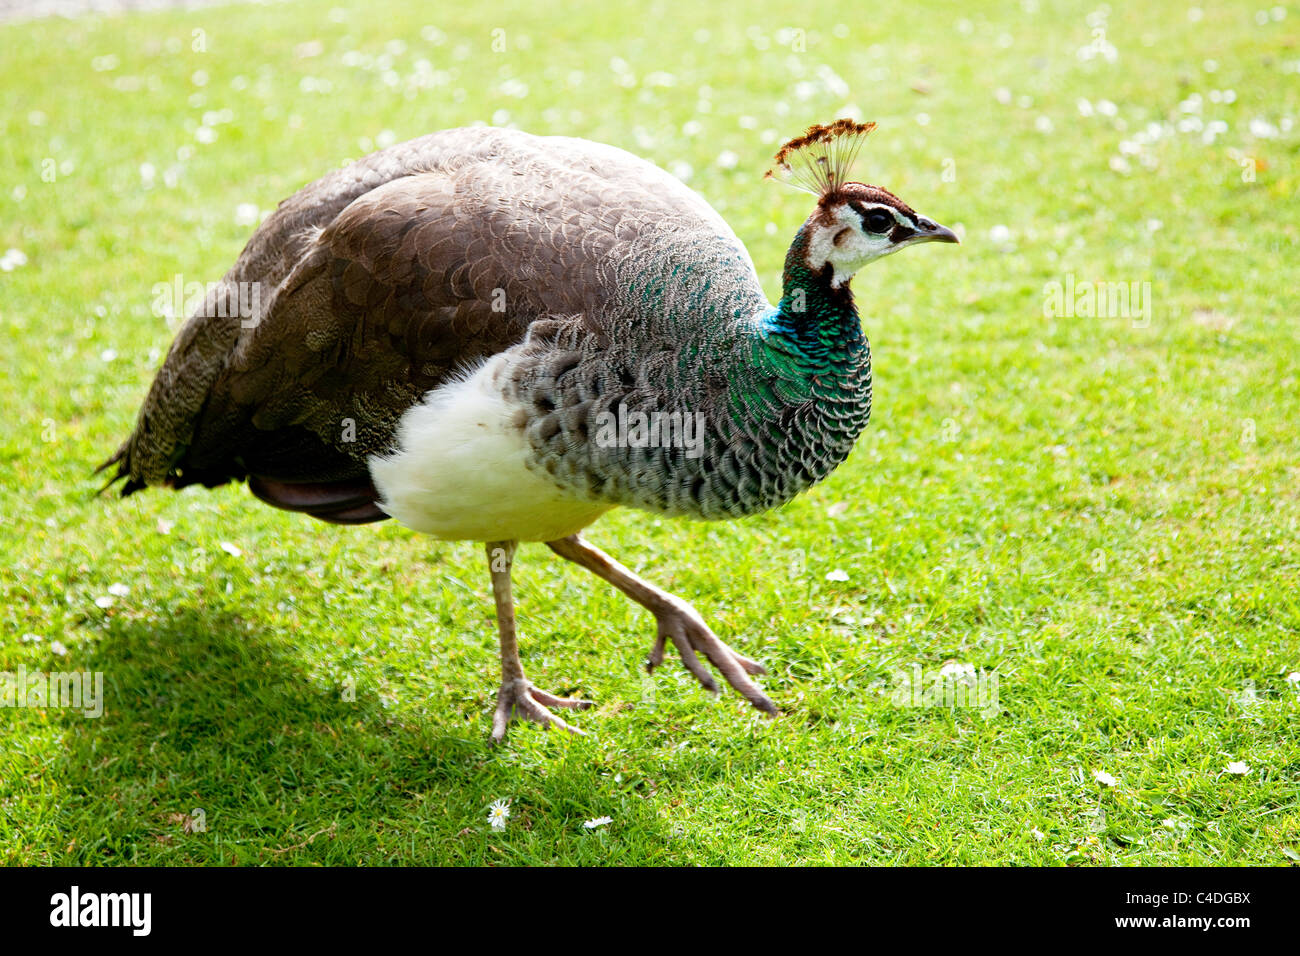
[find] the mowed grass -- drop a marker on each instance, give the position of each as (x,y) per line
(1100,511)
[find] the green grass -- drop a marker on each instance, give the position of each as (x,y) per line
(1103,513)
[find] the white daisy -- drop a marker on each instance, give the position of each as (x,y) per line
(498,814)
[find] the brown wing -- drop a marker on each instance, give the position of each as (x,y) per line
(381,309)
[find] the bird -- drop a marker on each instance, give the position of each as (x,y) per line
(495,336)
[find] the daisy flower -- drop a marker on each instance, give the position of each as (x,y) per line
(498,814)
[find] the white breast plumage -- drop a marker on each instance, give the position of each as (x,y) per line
(460,470)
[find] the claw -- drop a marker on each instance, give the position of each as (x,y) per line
(692,637)
(520,699)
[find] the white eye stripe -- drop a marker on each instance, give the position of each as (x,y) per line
(864,210)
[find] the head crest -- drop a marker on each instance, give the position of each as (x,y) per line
(818,162)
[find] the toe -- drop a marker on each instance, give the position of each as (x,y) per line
(693,663)
(656,654)
(500,720)
(550,700)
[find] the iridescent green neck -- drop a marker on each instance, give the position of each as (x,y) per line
(816,323)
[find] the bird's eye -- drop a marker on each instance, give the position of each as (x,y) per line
(879,221)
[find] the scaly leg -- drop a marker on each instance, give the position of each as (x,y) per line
(518,696)
(678,622)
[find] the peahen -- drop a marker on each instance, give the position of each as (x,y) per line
(495,336)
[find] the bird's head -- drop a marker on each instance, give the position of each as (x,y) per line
(854,223)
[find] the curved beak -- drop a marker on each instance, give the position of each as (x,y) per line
(931,231)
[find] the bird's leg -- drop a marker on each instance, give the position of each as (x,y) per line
(518,696)
(678,622)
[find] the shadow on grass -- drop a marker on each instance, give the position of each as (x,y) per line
(216,746)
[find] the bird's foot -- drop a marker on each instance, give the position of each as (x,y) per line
(519,698)
(682,624)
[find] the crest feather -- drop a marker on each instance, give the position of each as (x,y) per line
(818,162)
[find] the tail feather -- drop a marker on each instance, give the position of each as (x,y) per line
(350,501)
(166,420)
(118,458)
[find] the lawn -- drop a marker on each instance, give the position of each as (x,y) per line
(1098,510)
